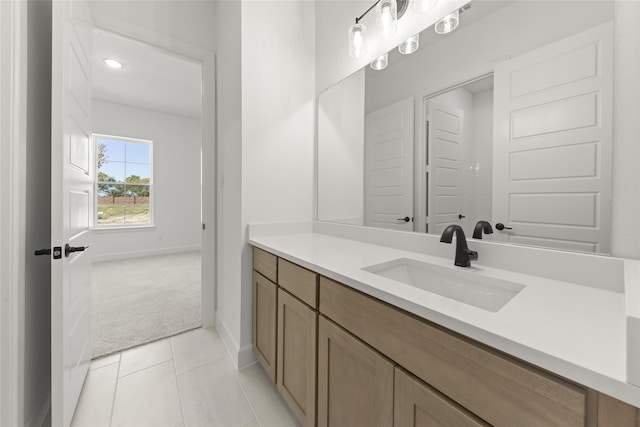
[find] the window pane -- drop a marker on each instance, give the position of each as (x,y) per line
(111,205)
(142,172)
(112,171)
(138,191)
(138,153)
(137,210)
(113,150)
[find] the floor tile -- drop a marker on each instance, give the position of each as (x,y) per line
(211,396)
(145,356)
(104,361)
(267,404)
(197,348)
(148,398)
(96,399)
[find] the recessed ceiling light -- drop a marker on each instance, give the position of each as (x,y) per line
(113,63)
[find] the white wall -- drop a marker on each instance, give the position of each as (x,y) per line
(176,181)
(25,220)
(229,162)
(267,149)
(189,21)
(341,151)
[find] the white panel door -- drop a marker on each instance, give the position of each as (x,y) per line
(446,124)
(389,167)
(553,142)
(71,206)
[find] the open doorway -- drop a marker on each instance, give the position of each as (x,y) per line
(147,241)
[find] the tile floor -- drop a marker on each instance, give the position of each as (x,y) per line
(187,380)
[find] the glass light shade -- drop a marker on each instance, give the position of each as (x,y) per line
(448,23)
(410,45)
(381,62)
(422,6)
(357,40)
(387,17)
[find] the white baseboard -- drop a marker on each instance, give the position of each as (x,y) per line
(145,253)
(241,357)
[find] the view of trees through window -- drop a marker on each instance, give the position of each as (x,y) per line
(124,184)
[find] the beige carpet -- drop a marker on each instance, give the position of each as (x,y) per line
(140,300)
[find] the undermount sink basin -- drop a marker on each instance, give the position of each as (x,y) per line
(457,283)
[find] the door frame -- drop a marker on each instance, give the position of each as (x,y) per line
(207,60)
(422,119)
(13,32)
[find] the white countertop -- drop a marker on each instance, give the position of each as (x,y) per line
(575,331)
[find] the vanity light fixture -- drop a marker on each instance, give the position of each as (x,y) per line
(410,45)
(388,13)
(387,17)
(448,23)
(422,6)
(112,63)
(381,62)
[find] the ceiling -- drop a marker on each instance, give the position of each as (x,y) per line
(150,78)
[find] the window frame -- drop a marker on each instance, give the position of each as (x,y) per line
(127,140)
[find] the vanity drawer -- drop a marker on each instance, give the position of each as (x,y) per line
(266,264)
(300,282)
(497,388)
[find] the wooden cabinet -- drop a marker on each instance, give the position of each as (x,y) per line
(355,383)
(331,350)
(297,328)
(497,388)
(418,405)
(265,298)
(285,325)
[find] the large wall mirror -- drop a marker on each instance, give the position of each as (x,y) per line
(507,119)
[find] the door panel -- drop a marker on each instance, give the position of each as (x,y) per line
(71,205)
(445,163)
(389,166)
(553,144)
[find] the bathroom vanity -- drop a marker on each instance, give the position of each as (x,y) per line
(348,346)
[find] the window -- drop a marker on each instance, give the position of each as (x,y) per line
(124,182)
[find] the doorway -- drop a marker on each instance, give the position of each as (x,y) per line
(147,234)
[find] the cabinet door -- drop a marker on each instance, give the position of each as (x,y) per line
(418,405)
(265,299)
(355,383)
(297,331)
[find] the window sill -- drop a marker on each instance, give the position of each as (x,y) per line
(118,229)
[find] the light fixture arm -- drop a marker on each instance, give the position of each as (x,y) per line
(367,11)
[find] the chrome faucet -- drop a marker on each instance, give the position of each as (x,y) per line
(464,255)
(480,227)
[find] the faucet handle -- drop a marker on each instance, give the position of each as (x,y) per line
(473,255)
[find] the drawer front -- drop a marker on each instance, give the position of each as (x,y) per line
(418,405)
(299,281)
(498,389)
(266,264)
